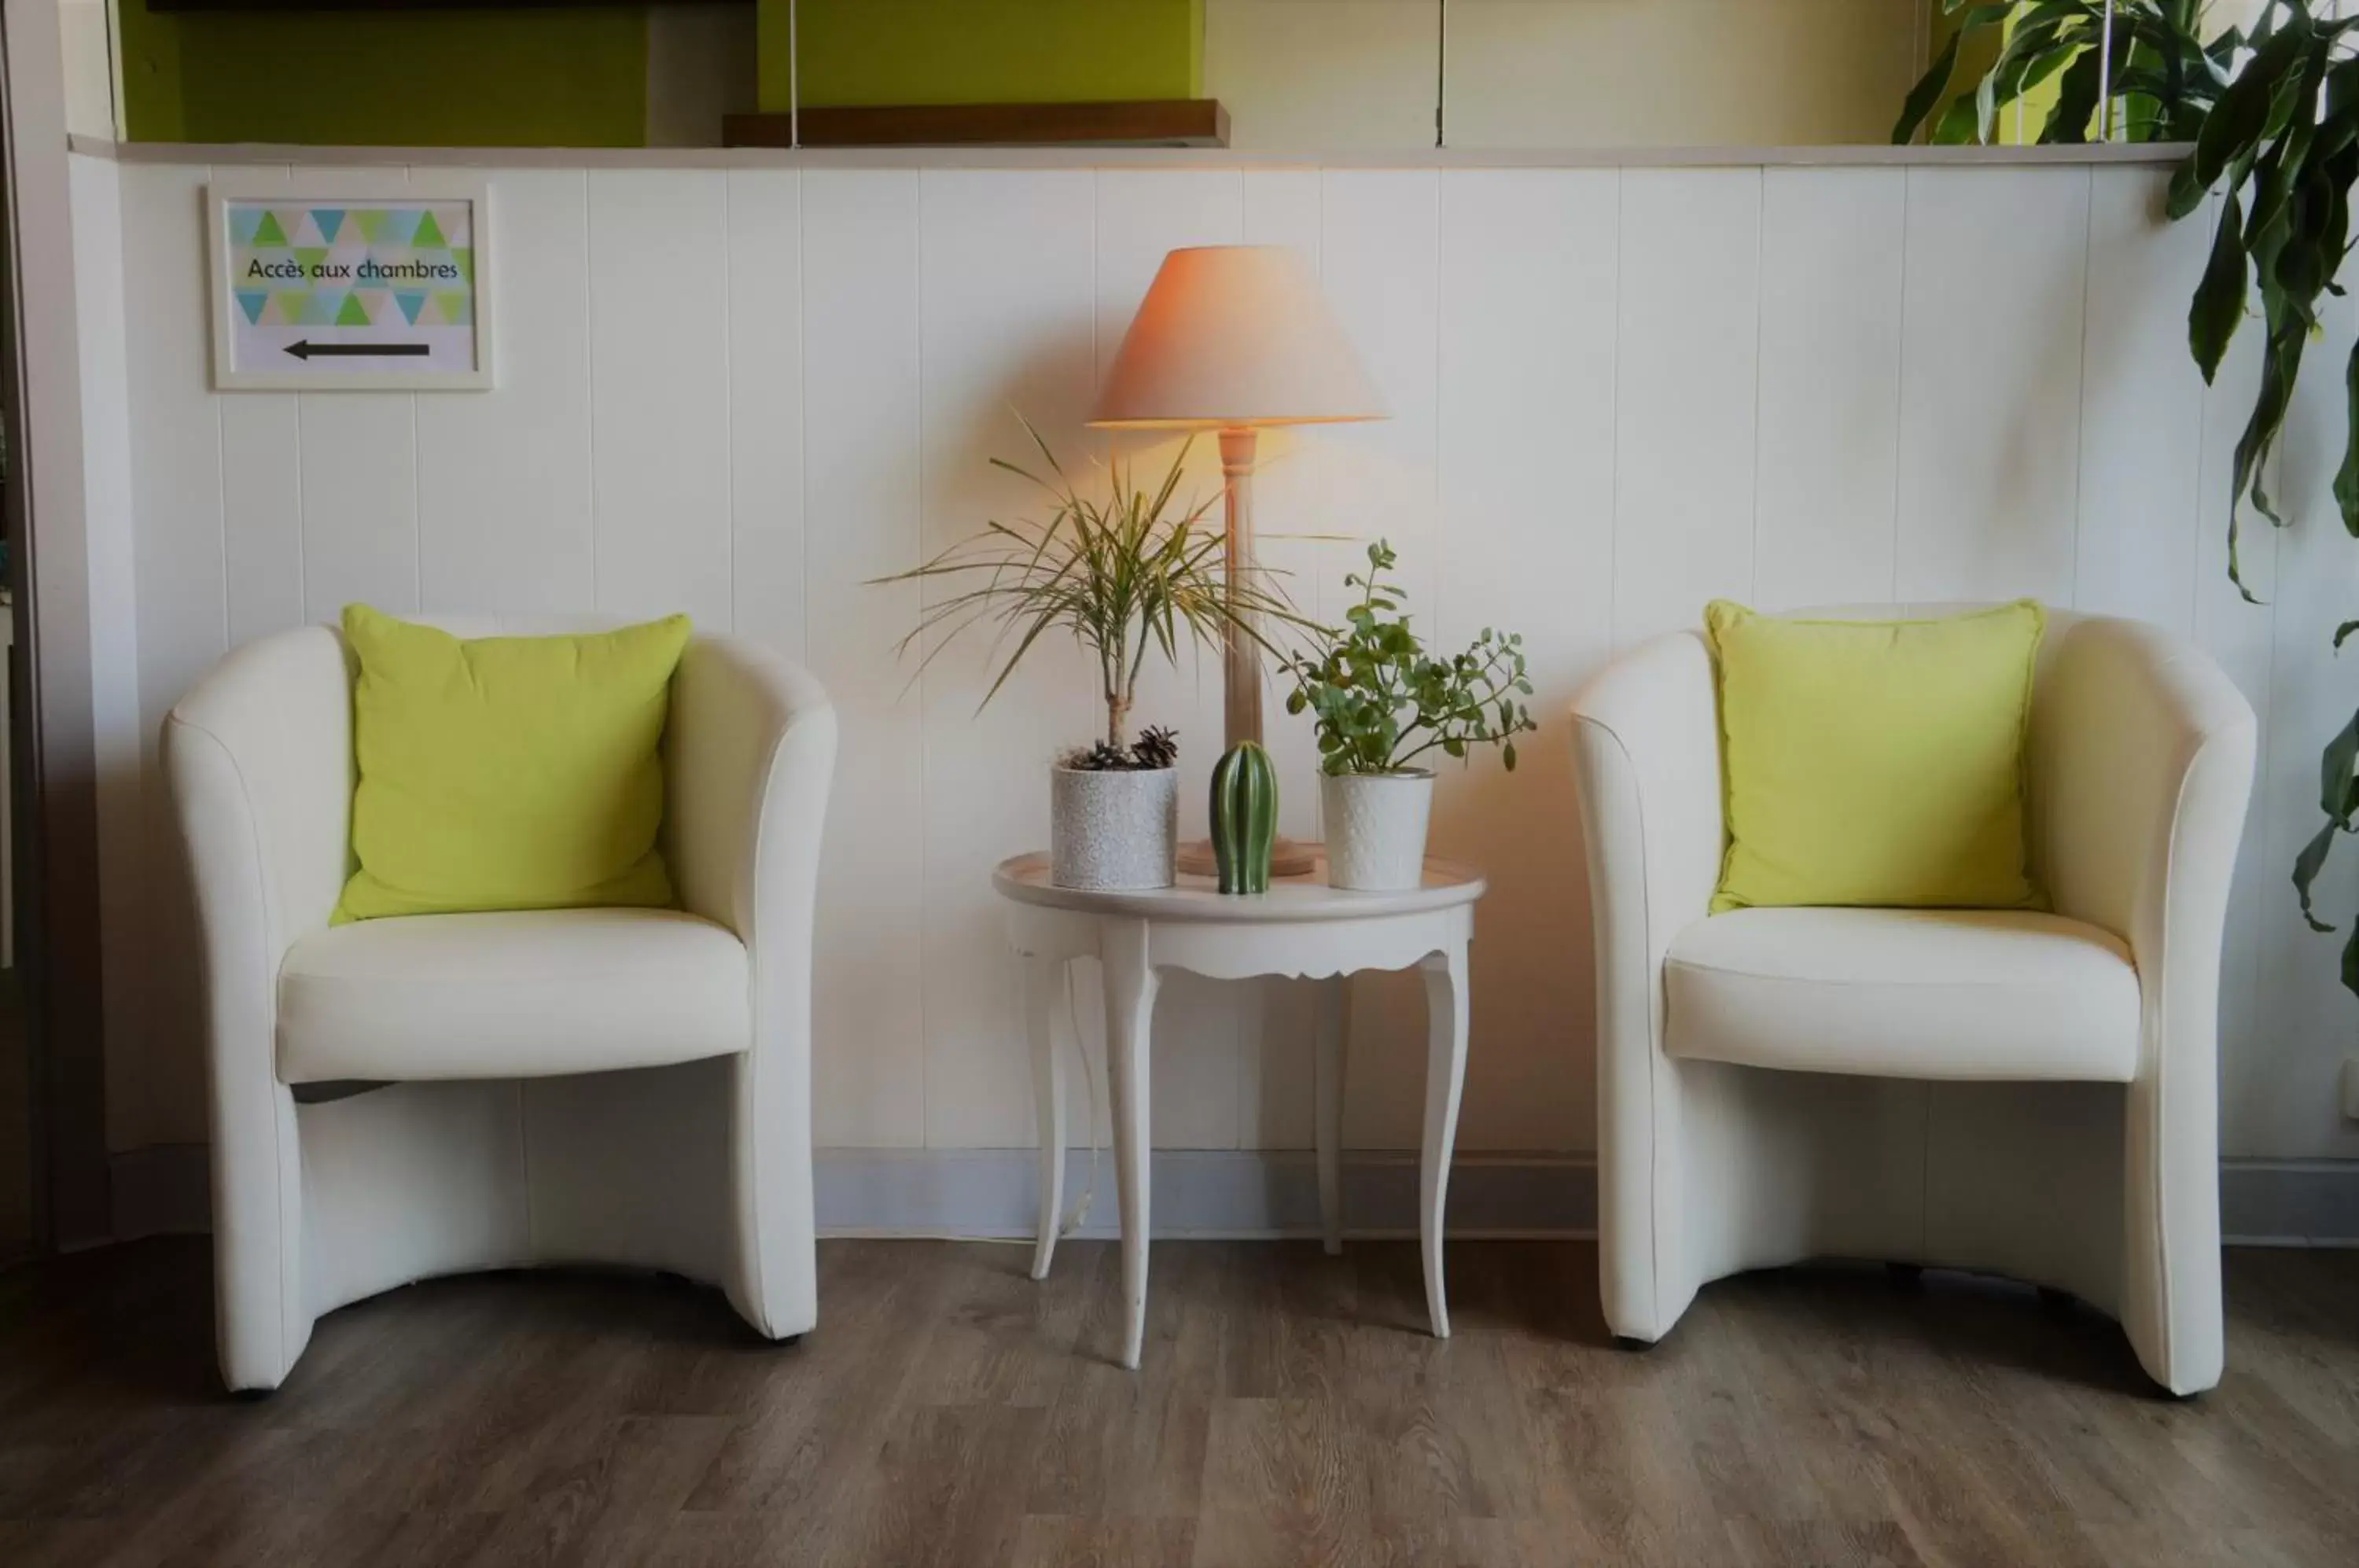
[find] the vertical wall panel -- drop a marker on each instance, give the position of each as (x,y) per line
(2283,1094)
(179,572)
(766,406)
(2238,633)
(261,507)
(1686,366)
(504,477)
(860,441)
(176,432)
(1282,207)
(1006,323)
(1528,284)
(359,471)
(2141,408)
(1274,1083)
(660,392)
(1990,390)
(1380,256)
(1831,286)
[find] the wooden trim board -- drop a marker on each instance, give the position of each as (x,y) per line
(1143,122)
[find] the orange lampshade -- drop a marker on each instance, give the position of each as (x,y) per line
(1235,336)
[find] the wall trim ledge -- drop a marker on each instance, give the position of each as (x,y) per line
(1206,1194)
(1872,154)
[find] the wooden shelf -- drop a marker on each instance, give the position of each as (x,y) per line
(1142,122)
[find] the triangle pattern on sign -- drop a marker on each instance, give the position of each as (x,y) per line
(464,257)
(288,304)
(242,221)
(400,223)
(409,303)
(268,231)
(328,219)
(322,308)
(429,232)
(454,306)
(372,223)
(252,300)
(353,313)
(311,256)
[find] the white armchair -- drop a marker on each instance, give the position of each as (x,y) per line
(399,1098)
(2030,1094)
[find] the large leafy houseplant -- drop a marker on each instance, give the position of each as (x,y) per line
(2274,117)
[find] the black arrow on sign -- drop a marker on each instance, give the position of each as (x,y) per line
(304,349)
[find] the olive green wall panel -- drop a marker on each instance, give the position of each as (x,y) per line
(982,51)
(521,78)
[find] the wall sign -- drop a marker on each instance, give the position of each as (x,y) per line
(325,292)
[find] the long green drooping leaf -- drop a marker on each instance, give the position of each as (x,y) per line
(2218,307)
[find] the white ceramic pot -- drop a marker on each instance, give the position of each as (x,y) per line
(1375,828)
(1112,829)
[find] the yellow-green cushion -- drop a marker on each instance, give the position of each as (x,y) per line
(1875,762)
(506,773)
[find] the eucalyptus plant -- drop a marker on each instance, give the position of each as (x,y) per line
(1125,574)
(1381,702)
(2274,117)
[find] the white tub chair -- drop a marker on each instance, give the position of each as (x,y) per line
(400,1098)
(2027,1094)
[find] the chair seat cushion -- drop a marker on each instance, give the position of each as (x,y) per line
(515,994)
(1972,994)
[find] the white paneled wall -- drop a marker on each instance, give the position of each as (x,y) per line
(749,392)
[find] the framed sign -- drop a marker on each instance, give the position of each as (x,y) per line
(325,292)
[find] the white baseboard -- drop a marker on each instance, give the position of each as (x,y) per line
(1245,1192)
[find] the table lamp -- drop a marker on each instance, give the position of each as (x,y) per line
(1234,339)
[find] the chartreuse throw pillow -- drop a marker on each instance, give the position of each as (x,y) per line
(508,772)
(1875,762)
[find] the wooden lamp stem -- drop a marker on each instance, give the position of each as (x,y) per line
(1241,655)
(1241,709)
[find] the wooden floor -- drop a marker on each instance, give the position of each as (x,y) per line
(950,1411)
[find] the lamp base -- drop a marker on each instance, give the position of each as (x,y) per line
(1286,858)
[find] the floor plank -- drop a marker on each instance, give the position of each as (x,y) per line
(950,1411)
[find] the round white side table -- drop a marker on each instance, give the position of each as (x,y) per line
(1301,927)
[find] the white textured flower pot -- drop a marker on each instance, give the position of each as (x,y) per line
(1375,828)
(1118,828)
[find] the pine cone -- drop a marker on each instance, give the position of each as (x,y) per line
(1156,747)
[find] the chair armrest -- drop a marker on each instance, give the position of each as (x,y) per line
(1645,755)
(259,758)
(749,755)
(2141,765)
(1646,745)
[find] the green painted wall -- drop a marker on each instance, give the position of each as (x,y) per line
(523,78)
(982,51)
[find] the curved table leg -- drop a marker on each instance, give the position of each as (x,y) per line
(1445,1076)
(1334,1031)
(1130,986)
(1041,979)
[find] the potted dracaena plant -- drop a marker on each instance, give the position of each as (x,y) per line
(1380,702)
(1127,575)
